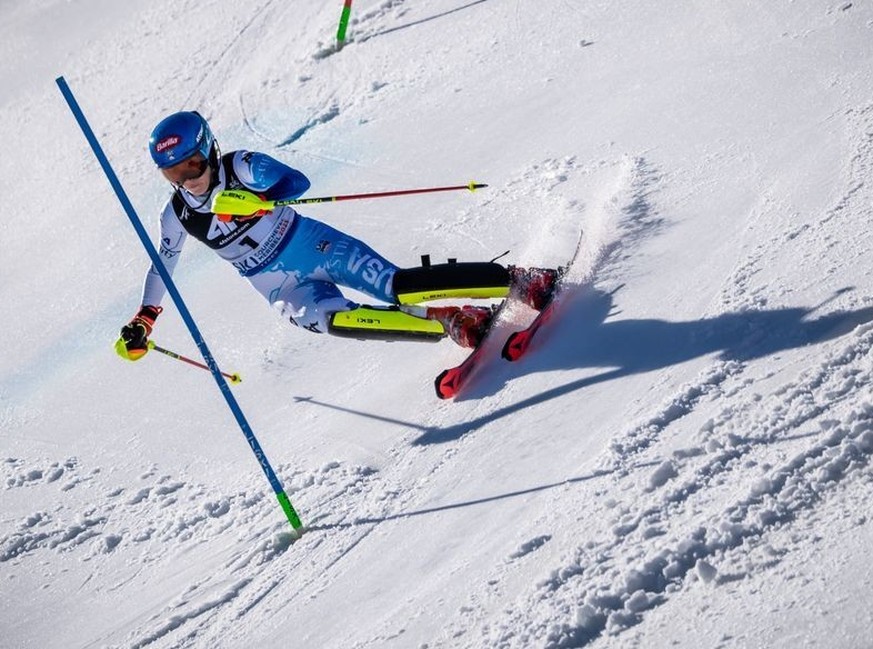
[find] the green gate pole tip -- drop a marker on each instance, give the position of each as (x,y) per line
(290,512)
(343,24)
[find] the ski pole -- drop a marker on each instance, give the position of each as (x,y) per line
(233,378)
(343,24)
(243,203)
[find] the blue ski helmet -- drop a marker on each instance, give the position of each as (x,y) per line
(179,136)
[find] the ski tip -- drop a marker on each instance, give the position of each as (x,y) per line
(515,347)
(445,385)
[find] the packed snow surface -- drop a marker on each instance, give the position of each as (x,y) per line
(683,458)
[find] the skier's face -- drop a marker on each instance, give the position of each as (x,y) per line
(194,174)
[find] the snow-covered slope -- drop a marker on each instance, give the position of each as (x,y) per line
(682,461)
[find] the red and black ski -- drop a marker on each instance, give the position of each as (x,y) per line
(517,344)
(450,382)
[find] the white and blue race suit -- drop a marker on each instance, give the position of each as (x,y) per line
(295,262)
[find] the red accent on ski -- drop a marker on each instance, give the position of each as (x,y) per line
(517,344)
(450,381)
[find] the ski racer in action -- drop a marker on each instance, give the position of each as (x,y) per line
(298,263)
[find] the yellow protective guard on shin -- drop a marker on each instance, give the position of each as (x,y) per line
(384,323)
(473,293)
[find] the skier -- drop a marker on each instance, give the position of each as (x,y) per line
(298,263)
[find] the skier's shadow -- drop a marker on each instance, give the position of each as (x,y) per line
(589,333)
(584,336)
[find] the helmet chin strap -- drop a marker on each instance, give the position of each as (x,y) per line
(214,155)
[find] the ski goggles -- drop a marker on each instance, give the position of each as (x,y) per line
(189,169)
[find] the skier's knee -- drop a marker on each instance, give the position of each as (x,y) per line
(314,316)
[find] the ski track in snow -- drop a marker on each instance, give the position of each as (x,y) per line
(794,446)
(794,441)
(585,598)
(811,242)
(162,516)
(250,580)
(618,213)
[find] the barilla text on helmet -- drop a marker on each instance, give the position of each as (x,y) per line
(172,140)
(167,142)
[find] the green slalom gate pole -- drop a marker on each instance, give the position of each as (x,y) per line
(284,501)
(343,24)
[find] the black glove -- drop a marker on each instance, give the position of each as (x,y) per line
(135,334)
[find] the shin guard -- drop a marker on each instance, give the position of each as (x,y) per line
(467,280)
(384,323)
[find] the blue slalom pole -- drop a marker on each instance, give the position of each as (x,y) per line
(284,501)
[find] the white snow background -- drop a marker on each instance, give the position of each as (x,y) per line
(683,459)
